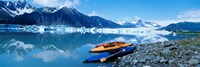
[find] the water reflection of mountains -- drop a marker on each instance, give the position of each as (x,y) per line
(68,41)
(179,36)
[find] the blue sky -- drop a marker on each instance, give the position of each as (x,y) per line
(128,9)
(146,9)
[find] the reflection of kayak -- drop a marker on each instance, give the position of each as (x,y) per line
(109,55)
(109,46)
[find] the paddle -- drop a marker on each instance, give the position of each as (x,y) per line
(104,59)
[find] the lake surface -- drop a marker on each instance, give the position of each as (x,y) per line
(28,49)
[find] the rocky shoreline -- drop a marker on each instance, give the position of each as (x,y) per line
(180,53)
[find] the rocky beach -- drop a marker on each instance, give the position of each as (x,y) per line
(179,53)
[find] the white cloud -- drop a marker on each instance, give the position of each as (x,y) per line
(57,3)
(164,22)
(50,55)
(189,14)
(93,13)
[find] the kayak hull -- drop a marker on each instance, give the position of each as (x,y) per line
(96,58)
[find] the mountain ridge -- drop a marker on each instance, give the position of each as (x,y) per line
(138,23)
(55,16)
(185,26)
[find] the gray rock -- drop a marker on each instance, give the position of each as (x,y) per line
(193,61)
(166,51)
(135,61)
(162,60)
(150,57)
(180,65)
(143,60)
(198,57)
(119,58)
(173,48)
(198,65)
(195,52)
(168,45)
(156,59)
(180,55)
(171,61)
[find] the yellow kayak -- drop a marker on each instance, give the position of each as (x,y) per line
(110,46)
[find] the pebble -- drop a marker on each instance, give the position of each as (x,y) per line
(180,65)
(156,59)
(166,51)
(143,60)
(198,57)
(150,57)
(119,58)
(167,45)
(193,61)
(198,65)
(163,60)
(135,61)
(173,48)
(171,61)
(180,56)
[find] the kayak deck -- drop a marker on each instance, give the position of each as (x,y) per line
(109,47)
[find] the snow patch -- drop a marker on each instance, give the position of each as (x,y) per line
(18,45)
(17,8)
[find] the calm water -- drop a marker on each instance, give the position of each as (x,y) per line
(22,49)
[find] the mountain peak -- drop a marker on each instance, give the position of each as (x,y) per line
(47,9)
(139,21)
(68,10)
(16,8)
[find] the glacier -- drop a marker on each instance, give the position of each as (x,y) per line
(66,29)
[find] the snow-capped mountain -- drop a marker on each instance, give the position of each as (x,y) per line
(138,24)
(47,9)
(147,24)
(15,8)
(20,12)
(185,26)
(63,16)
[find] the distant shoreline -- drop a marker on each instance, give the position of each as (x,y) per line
(187,32)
